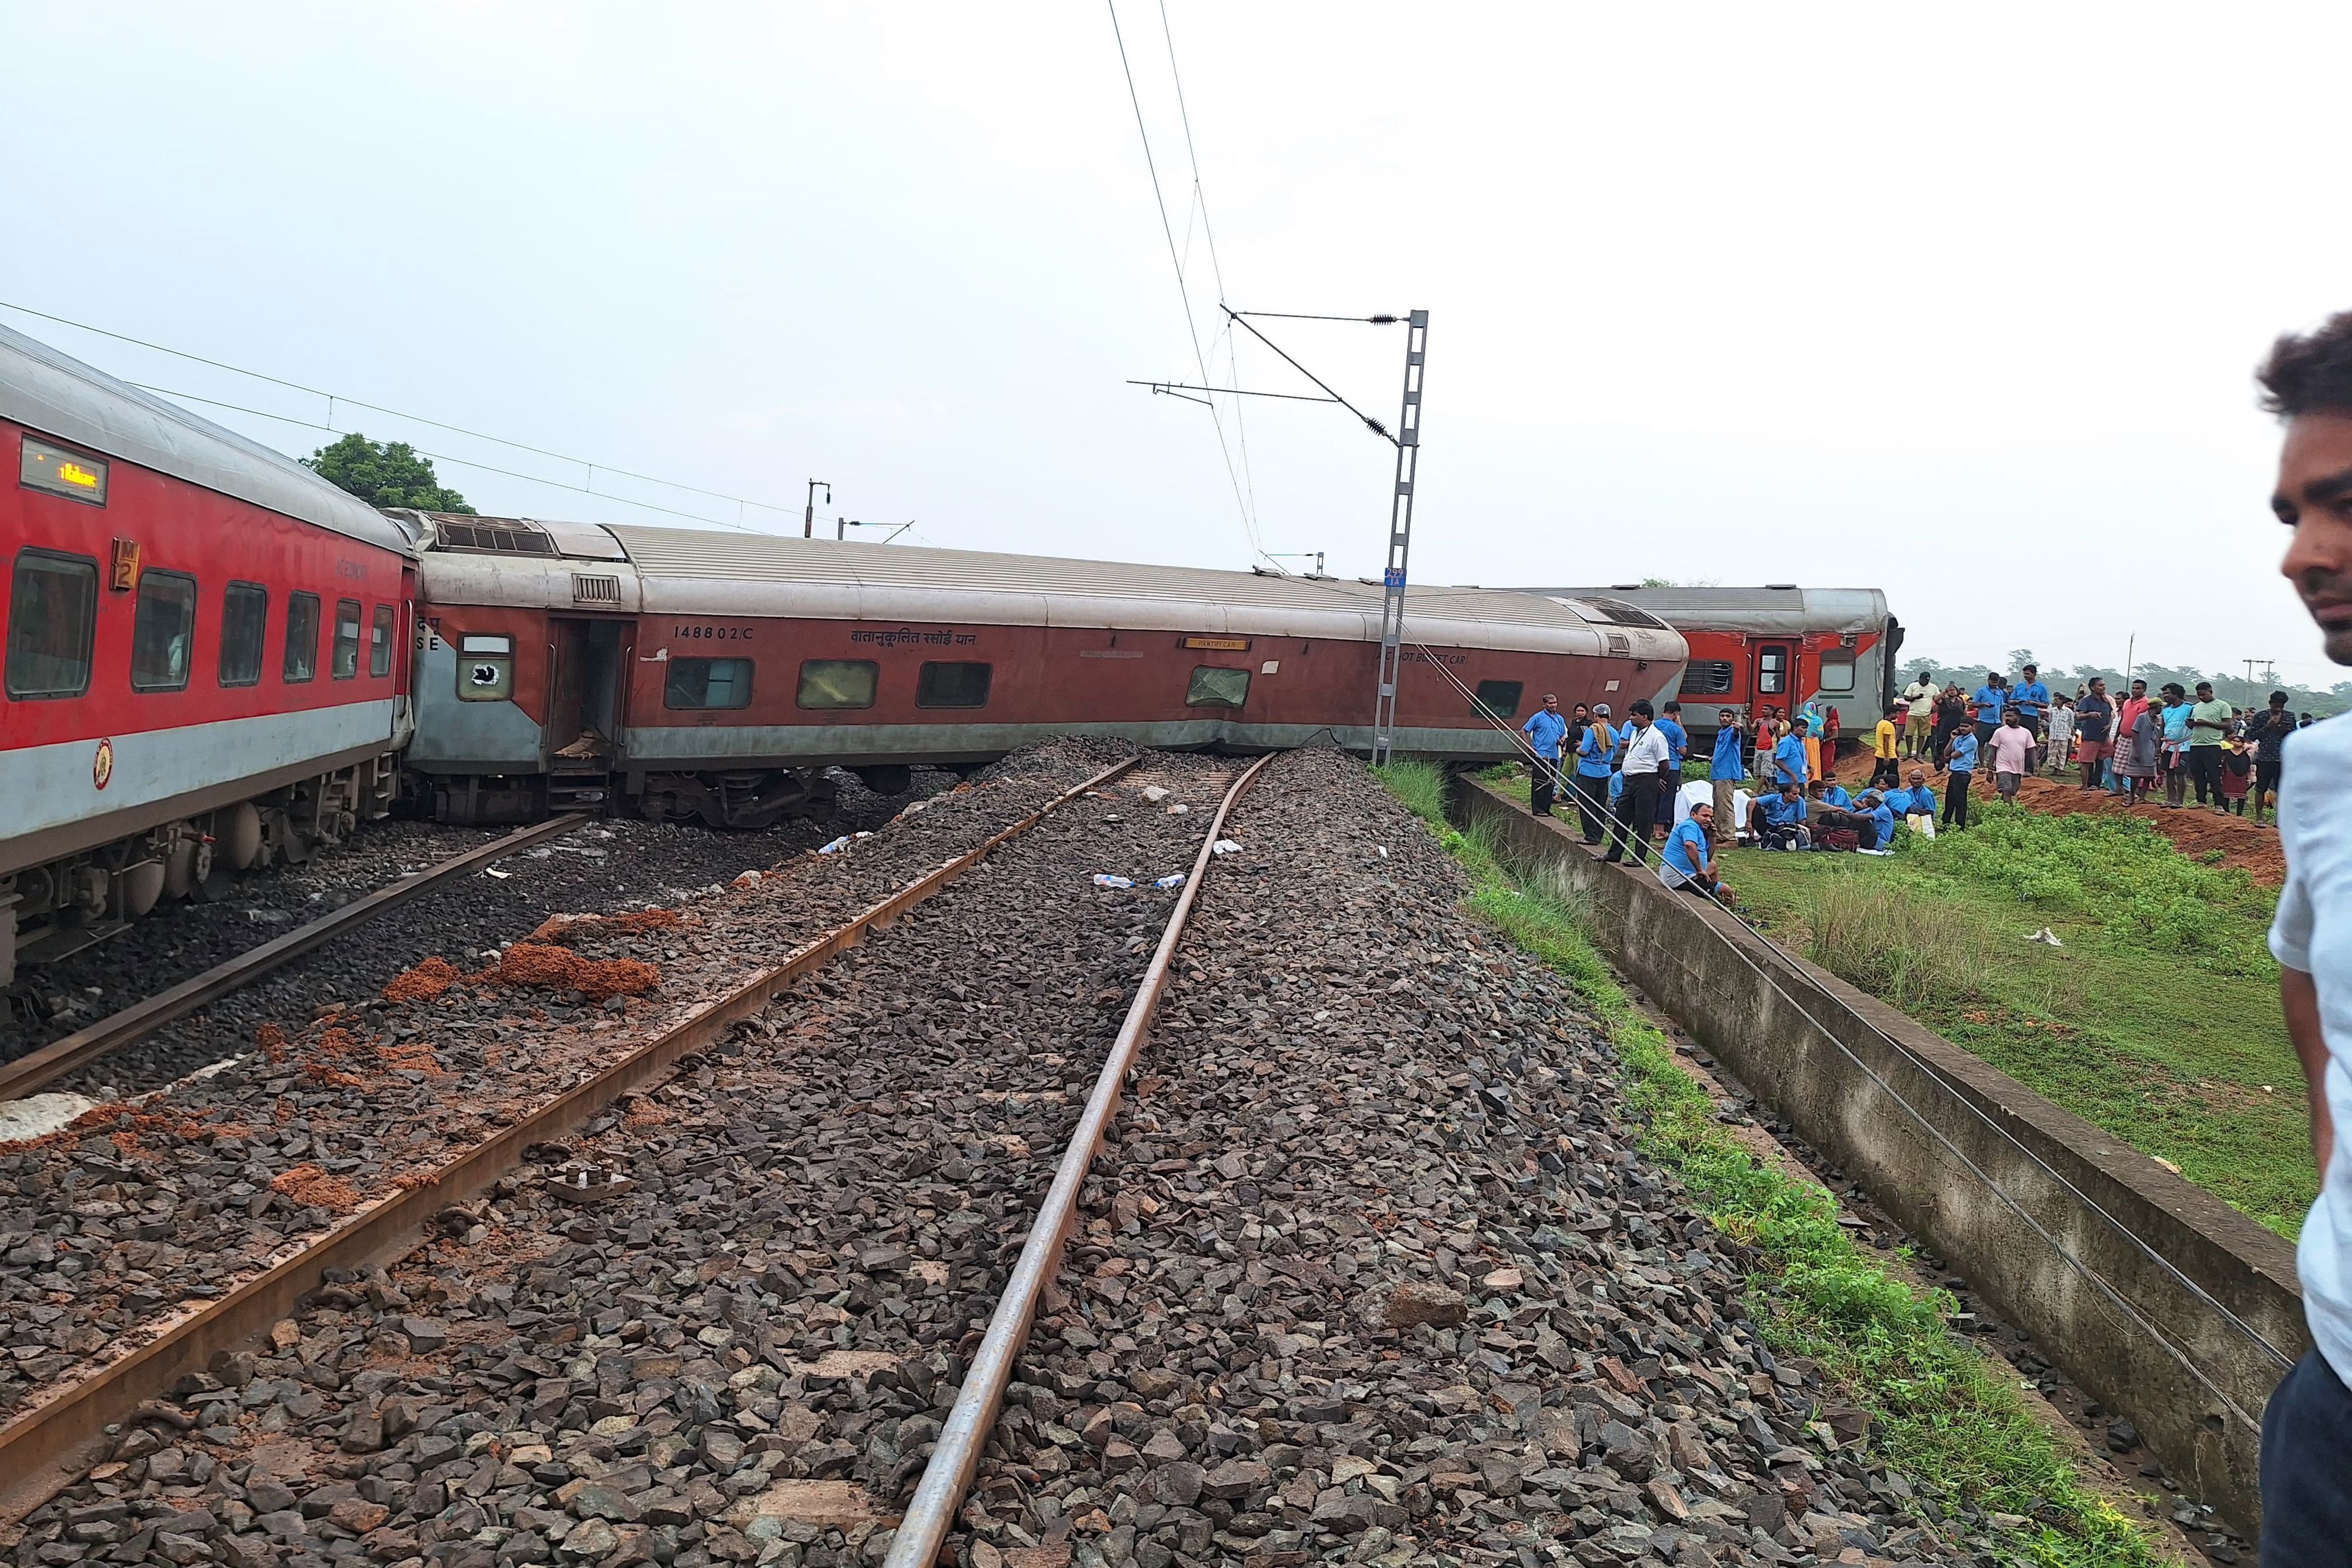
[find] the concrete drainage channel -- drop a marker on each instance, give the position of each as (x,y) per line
(2167,1305)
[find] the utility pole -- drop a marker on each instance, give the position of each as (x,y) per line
(1406,439)
(808,518)
(1393,576)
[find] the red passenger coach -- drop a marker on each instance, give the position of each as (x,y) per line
(716,676)
(207,655)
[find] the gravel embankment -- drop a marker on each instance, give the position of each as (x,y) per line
(606,865)
(115,1223)
(1371,1270)
(1375,1270)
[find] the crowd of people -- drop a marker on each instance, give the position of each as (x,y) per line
(1770,776)
(2128,746)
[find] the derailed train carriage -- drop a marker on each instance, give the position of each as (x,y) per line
(715,677)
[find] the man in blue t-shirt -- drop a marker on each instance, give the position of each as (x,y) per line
(1873,806)
(1594,747)
(1670,782)
(1916,800)
(1544,730)
(1778,820)
(2030,697)
(1727,768)
(1989,699)
(1788,763)
(1960,771)
(1687,864)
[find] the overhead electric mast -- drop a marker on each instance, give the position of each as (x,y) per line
(1392,577)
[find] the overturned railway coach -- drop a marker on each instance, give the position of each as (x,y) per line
(1776,646)
(715,676)
(207,655)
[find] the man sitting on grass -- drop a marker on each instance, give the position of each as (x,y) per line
(1687,863)
(1778,820)
(1832,808)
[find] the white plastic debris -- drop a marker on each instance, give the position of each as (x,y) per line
(1382,850)
(40,1114)
(1103,880)
(1178,808)
(1224,847)
(493,870)
(2047,938)
(1156,793)
(1173,879)
(835,847)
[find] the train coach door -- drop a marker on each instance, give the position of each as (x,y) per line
(1776,667)
(582,739)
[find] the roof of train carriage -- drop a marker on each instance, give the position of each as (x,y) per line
(82,406)
(1780,608)
(691,572)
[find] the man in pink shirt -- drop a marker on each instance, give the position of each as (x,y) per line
(2012,747)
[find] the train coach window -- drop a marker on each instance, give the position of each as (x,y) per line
(838,683)
(1706,678)
(380,642)
(1837,677)
(52,617)
(952,685)
(302,638)
(1772,672)
(485,669)
(347,638)
(245,625)
(162,632)
(1212,685)
(711,682)
(1501,698)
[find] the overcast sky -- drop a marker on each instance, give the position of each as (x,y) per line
(1963,308)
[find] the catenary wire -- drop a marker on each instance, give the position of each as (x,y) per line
(333,398)
(1192,327)
(1618,837)
(444,457)
(1216,266)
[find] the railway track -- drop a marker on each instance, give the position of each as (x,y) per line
(872,1264)
(36,1070)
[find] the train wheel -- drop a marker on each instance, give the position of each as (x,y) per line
(239,832)
(138,887)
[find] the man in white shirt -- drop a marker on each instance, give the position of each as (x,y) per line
(1646,760)
(2306,1475)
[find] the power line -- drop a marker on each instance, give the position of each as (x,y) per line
(1192,327)
(1216,266)
(444,457)
(334,397)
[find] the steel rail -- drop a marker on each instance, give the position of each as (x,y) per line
(47,1446)
(956,1456)
(109,1034)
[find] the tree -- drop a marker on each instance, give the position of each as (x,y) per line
(385,474)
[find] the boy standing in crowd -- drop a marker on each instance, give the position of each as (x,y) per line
(2093,729)
(1886,745)
(2268,731)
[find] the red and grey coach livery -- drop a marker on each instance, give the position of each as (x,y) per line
(205,660)
(709,676)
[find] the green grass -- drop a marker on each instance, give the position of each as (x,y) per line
(2157,1021)
(1950,1417)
